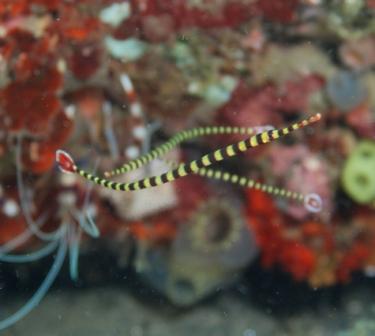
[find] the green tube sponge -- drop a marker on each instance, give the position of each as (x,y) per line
(358,176)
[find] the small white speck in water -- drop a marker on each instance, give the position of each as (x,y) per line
(136,110)
(92,210)
(70,111)
(11,208)
(140,132)
(132,152)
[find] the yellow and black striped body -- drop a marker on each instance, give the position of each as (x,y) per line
(249,183)
(205,161)
(179,138)
(246,182)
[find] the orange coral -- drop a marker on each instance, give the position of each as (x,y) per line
(353,260)
(155,231)
(10,228)
(271,233)
(309,250)
(298,260)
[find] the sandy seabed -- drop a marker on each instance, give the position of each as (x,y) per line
(112,311)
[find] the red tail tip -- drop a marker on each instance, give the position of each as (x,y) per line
(316,117)
(65,162)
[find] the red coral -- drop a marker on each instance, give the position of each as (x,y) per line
(12,223)
(362,120)
(39,156)
(262,105)
(30,100)
(10,228)
(309,251)
(25,54)
(85,61)
(229,14)
(298,260)
(260,203)
(353,260)
(279,11)
(32,103)
(12,8)
(158,20)
(249,107)
(157,230)
(270,231)
(79,30)
(21,40)
(264,221)
(294,95)
(318,235)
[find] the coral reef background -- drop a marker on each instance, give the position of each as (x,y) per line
(108,80)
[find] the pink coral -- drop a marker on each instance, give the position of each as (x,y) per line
(362,120)
(303,171)
(158,20)
(262,105)
(279,11)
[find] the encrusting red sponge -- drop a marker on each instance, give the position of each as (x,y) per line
(65,162)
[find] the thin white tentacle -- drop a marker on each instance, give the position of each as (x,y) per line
(32,256)
(41,291)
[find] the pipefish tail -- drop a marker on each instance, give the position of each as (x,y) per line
(66,162)
(312,202)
